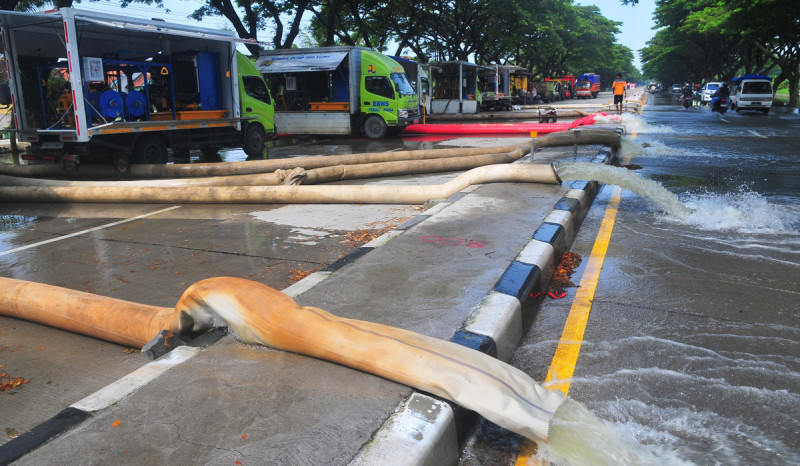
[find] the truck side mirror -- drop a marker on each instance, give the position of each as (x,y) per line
(5,94)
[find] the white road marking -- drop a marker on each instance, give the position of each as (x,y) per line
(122,388)
(754,133)
(107,225)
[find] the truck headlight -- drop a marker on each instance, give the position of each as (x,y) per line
(402,113)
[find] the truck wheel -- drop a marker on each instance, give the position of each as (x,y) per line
(254,140)
(150,149)
(375,127)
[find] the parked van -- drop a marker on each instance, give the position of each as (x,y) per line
(752,92)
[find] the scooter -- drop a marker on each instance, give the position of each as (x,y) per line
(720,105)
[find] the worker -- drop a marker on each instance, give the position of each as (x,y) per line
(620,91)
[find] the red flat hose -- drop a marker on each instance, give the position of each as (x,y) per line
(500,128)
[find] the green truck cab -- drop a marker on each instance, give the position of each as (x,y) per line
(338,90)
(388,99)
(257,107)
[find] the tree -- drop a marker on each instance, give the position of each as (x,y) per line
(701,39)
(773,28)
(254,15)
(30,5)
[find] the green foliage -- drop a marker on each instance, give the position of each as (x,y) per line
(550,37)
(701,40)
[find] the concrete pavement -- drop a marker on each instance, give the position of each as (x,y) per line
(464,270)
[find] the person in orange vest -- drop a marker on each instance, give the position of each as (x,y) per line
(620,91)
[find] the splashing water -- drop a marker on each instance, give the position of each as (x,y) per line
(633,124)
(578,438)
(649,189)
(743,211)
(629,149)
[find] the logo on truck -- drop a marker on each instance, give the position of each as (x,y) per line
(371,69)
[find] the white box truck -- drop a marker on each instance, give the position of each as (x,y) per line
(338,90)
(87,85)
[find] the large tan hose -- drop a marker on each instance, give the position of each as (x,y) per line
(260,179)
(247,167)
(336,194)
(581,137)
(259,314)
(296,176)
(109,319)
(587,136)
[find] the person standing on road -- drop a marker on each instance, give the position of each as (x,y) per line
(620,91)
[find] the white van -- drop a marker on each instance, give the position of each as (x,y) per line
(752,92)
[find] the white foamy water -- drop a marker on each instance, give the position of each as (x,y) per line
(577,438)
(743,211)
(659,149)
(634,124)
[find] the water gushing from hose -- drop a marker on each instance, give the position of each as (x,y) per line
(578,438)
(624,178)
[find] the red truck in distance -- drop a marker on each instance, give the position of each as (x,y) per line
(588,86)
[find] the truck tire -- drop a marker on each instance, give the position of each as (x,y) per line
(254,141)
(150,149)
(375,127)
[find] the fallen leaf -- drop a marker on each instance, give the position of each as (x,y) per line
(7,382)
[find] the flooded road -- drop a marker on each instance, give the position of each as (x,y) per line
(691,344)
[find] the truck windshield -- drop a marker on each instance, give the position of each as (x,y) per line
(403,86)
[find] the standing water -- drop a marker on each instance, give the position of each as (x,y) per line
(690,351)
(693,338)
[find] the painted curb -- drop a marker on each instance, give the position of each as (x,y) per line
(497,324)
(421,431)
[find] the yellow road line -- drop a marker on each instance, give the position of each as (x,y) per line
(563,364)
(566,357)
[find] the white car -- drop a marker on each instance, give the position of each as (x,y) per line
(707,91)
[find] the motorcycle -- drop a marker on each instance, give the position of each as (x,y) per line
(720,105)
(686,101)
